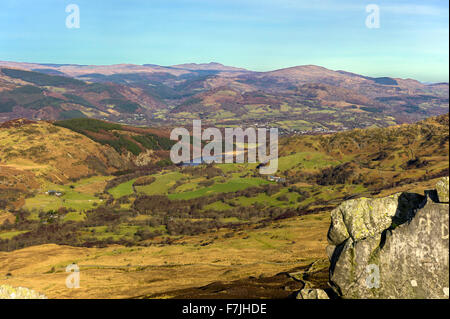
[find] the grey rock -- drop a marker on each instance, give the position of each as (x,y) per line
(312,294)
(365,217)
(442,190)
(8,292)
(405,258)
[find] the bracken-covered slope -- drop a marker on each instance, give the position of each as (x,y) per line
(31,152)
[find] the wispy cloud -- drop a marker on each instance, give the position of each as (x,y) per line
(415,9)
(401,7)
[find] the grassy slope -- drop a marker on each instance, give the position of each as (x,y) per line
(78,195)
(123,272)
(35,156)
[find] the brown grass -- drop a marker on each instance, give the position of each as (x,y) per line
(121,272)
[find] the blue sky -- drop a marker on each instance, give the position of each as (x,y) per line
(412,41)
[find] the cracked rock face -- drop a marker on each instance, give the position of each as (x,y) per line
(393,247)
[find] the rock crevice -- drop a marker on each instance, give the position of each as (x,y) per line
(392,247)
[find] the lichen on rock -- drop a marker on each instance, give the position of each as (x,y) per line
(392,247)
(312,294)
(442,190)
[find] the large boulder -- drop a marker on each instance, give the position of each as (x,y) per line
(393,247)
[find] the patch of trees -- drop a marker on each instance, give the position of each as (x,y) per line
(70,114)
(121,143)
(208,170)
(123,105)
(206,183)
(42,79)
(44,102)
(128,175)
(416,163)
(7,105)
(144,180)
(341,174)
(86,124)
(76,99)
(154,142)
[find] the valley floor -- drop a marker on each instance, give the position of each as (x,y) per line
(164,271)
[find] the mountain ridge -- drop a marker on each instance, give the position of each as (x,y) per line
(193,67)
(300,98)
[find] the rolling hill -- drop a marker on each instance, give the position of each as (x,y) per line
(34,154)
(303,98)
(378,158)
(37,95)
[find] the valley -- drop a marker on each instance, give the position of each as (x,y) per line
(106,197)
(86,176)
(299,100)
(219,159)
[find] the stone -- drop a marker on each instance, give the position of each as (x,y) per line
(8,292)
(442,190)
(382,250)
(365,217)
(312,294)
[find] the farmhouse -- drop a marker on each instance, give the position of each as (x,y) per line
(276,179)
(54,193)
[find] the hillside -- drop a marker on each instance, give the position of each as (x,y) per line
(298,99)
(37,95)
(124,139)
(35,154)
(319,171)
(378,158)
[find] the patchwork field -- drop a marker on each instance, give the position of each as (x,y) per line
(161,231)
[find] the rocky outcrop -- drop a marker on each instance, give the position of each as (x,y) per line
(8,292)
(393,247)
(312,294)
(143,158)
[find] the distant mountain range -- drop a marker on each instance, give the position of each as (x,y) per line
(303,98)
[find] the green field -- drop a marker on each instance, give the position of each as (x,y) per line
(232,185)
(305,160)
(74,200)
(123,189)
(219,206)
(11,234)
(74,216)
(189,187)
(161,185)
(76,196)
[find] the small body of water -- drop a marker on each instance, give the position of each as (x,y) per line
(201,160)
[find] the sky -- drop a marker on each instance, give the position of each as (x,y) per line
(261,35)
